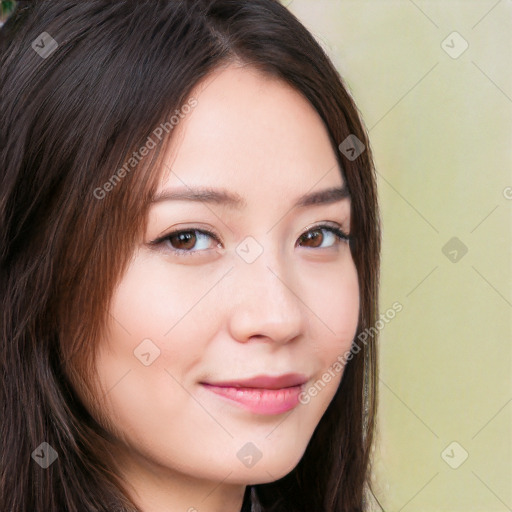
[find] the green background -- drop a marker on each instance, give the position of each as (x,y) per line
(6,7)
(440,130)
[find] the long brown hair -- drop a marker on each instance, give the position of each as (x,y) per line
(113,71)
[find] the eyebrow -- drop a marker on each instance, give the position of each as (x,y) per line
(234,200)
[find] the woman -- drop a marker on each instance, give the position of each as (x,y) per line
(189,256)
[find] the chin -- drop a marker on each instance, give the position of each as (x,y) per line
(264,472)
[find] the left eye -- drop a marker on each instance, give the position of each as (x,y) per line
(191,241)
(317,238)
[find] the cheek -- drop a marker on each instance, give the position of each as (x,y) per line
(151,345)
(152,300)
(153,303)
(335,301)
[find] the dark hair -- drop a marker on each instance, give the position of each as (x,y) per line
(121,68)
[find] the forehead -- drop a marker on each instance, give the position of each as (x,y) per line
(253,134)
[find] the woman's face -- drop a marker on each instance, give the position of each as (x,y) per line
(272,293)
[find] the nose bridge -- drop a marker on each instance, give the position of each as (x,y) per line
(266,303)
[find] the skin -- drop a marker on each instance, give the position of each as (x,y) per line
(213,316)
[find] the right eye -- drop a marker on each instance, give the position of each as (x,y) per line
(187,242)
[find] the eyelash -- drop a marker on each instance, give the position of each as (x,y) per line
(337,231)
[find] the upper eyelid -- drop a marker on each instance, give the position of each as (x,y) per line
(325,224)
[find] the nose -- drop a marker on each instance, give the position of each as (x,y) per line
(264,304)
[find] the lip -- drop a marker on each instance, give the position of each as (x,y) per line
(287,380)
(263,394)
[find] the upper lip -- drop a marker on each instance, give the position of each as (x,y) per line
(265,381)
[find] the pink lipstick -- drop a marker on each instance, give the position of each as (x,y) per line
(263,394)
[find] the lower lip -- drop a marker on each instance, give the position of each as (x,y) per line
(260,401)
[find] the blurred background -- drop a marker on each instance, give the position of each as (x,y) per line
(6,7)
(433,83)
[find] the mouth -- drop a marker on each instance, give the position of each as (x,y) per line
(263,394)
